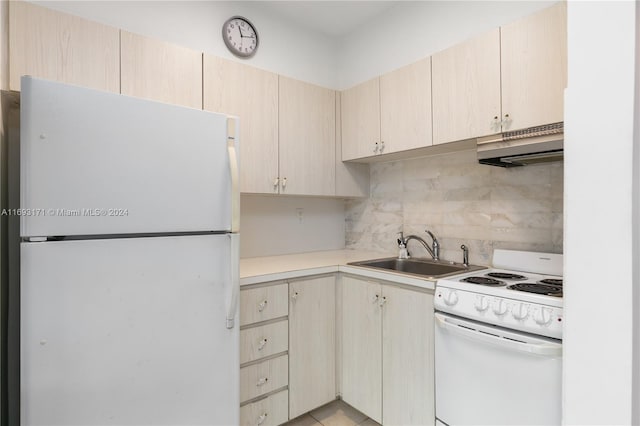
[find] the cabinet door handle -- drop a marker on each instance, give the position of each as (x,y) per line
(262,344)
(294,296)
(262,381)
(375,298)
(495,124)
(381,146)
(262,418)
(284,183)
(383,301)
(276,182)
(506,122)
(375,149)
(262,305)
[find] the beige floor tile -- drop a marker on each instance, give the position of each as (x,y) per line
(369,422)
(338,413)
(304,420)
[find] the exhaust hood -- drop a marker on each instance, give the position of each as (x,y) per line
(534,145)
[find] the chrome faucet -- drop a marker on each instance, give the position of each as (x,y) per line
(434,250)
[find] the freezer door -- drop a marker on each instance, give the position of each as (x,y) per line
(100,163)
(129,332)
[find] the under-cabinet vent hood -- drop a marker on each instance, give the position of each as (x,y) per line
(534,145)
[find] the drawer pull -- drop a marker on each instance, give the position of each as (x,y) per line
(262,381)
(262,305)
(262,418)
(262,344)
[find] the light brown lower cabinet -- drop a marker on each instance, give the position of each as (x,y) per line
(264,359)
(264,377)
(380,337)
(269,411)
(312,349)
(387,351)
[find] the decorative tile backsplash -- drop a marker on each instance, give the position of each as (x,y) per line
(461,202)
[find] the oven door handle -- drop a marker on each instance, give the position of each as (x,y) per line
(549,349)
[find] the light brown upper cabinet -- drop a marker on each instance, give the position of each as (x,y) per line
(388,114)
(52,45)
(534,69)
(466,89)
(507,79)
(160,71)
(252,95)
(405,108)
(361,120)
(352,179)
(307,120)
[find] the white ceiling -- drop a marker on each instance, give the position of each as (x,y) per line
(332,18)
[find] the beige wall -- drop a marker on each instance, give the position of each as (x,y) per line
(461,202)
(273,225)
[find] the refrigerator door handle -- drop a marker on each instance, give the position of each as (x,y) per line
(235,176)
(234,282)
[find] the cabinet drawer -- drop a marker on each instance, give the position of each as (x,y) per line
(264,303)
(260,379)
(259,342)
(271,411)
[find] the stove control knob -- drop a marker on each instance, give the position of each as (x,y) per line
(499,307)
(520,311)
(542,316)
(451,298)
(481,304)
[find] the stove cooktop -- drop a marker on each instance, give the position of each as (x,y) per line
(508,295)
(546,286)
(515,285)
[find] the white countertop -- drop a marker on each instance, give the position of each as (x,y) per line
(255,270)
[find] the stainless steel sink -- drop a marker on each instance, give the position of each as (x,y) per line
(423,268)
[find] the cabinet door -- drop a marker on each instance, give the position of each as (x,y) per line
(466,89)
(307,128)
(407,353)
(534,68)
(312,350)
(405,108)
(362,346)
(160,71)
(361,120)
(352,179)
(47,44)
(251,94)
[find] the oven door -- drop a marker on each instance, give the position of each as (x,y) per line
(487,375)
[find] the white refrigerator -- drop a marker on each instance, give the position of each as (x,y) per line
(128,260)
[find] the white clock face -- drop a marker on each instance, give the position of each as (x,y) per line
(240,36)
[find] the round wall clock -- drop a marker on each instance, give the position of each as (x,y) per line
(240,36)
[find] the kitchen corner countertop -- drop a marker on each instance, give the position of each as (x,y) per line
(254,270)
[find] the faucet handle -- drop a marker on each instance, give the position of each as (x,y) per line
(433,237)
(465,255)
(434,244)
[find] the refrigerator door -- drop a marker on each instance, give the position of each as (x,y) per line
(95,163)
(129,332)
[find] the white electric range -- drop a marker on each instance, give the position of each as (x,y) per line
(523,291)
(498,342)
